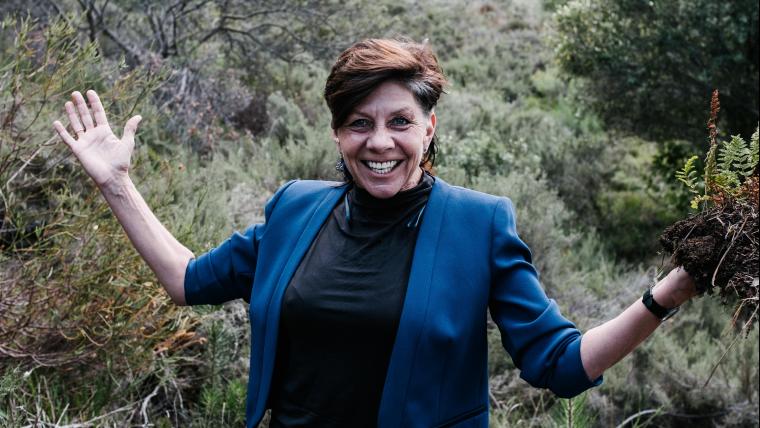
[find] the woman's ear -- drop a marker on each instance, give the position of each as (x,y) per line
(430,129)
(335,138)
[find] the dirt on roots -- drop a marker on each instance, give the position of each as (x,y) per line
(719,249)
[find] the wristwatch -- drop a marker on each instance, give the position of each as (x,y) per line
(660,312)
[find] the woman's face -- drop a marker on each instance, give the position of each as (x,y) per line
(383,140)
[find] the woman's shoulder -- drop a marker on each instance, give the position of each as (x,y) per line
(300,193)
(301,188)
(469,197)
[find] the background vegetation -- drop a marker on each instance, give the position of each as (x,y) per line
(579,111)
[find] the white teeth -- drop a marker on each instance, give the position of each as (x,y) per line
(381,167)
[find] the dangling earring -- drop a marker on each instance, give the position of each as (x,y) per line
(340,165)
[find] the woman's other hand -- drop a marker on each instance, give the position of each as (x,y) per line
(603,346)
(104,156)
(675,289)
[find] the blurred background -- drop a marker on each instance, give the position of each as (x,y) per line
(579,111)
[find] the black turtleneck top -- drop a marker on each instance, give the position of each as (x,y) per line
(341,310)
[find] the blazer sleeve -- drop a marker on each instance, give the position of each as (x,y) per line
(542,343)
(226,272)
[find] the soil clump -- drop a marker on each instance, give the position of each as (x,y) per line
(719,249)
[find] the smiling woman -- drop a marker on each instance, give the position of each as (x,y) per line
(384,140)
(361,70)
(369,298)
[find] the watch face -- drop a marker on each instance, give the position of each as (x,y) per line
(655,308)
(648,300)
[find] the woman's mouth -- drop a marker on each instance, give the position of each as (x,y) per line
(381,167)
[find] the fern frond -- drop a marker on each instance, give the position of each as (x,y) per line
(730,153)
(698,200)
(735,164)
(687,175)
(728,181)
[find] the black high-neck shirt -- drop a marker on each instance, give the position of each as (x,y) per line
(341,310)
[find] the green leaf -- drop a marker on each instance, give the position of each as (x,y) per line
(688,173)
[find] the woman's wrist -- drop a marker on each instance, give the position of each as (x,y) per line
(675,289)
(115,185)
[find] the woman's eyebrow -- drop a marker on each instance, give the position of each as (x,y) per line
(403,111)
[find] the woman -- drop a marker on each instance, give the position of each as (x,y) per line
(368,298)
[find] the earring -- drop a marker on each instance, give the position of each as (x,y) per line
(340,165)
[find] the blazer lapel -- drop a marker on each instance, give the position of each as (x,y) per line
(269,332)
(413,314)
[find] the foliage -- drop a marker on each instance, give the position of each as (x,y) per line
(715,245)
(636,57)
(688,174)
(729,166)
(85,333)
(572,413)
(224,129)
(737,161)
(676,387)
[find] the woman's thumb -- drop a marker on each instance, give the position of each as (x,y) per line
(131,127)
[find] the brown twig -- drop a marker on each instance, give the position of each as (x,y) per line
(731,244)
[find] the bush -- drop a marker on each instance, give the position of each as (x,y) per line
(635,58)
(86,332)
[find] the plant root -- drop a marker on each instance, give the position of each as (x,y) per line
(719,249)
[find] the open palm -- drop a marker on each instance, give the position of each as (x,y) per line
(103,155)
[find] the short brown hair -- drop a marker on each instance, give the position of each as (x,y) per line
(367,64)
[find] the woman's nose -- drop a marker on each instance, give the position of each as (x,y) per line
(380,140)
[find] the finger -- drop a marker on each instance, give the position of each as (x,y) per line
(84,111)
(97,108)
(131,128)
(76,124)
(63,133)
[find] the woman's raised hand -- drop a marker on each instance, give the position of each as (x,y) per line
(104,156)
(106,159)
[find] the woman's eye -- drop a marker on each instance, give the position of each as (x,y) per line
(360,123)
(400,121)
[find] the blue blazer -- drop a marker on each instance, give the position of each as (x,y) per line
(468,259)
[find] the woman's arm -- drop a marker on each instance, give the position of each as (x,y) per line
(164,254)
(106,159)
(605,345)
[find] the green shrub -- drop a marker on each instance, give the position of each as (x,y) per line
(669,372)
(87,334)
(636,58)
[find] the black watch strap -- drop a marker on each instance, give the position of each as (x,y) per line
(660,312)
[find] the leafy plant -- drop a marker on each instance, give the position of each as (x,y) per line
(688,175)
(572,413)
(736,163)
(717,246)
(636,57)
(86,335)
(728,165)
